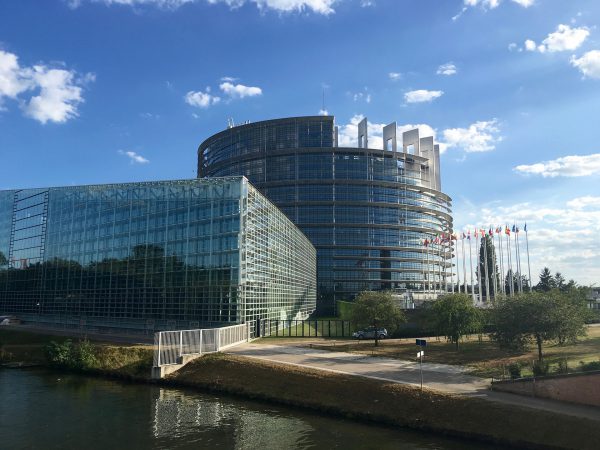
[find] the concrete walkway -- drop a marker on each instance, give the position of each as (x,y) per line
(440,377)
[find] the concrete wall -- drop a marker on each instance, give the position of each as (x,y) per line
(582,388)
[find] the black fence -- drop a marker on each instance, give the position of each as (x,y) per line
(305,328)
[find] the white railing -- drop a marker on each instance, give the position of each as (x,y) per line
(171,346)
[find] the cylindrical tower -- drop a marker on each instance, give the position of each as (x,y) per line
(377,217)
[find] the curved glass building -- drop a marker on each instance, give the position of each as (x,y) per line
(377,216)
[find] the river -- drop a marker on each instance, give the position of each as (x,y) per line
(53,410)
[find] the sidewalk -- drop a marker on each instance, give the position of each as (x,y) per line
(440,377)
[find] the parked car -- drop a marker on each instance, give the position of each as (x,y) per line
(370,333)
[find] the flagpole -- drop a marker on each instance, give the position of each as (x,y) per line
(517,259)
(528,266)
(471,267)
(511,287)
(495,266)
(502,286)
(462,243)
(457,267)
(484,242)
(478,266)
(520,268)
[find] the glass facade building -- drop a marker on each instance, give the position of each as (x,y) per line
(368,211)
(149,256)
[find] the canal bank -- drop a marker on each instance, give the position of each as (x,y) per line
(353,397)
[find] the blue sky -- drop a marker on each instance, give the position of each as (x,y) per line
(96,91)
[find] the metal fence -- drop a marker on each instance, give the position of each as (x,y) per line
(171,346)
(305,328)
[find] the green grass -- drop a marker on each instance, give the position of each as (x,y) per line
(119,360)
(483,357)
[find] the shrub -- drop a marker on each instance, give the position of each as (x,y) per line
(540,368)
(592,365)
(84,355)
(65,354)
(563,366)
(515,370)
(59,353)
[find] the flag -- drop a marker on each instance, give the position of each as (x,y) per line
(469,235)
(498,230)
(517,229)
(426,243)
(490,232)
(507,230)
(525,228)
(513,230)
(464,235)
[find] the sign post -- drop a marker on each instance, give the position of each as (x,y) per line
(421,343)
(420,356)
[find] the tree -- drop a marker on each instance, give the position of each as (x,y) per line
(3,260)
(559,281)
(515,280)
(546,282)
(377,309)
(487,249)
(454,316)
(538,317)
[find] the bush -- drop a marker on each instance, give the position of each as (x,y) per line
(59,353)
(65,354)
(592,365)
(563,366)
(540,368)
(515,370)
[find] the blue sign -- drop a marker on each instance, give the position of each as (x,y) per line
(421,342)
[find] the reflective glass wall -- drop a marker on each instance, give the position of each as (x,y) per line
(367,211)
(145,256)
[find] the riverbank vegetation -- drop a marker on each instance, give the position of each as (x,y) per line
(388,403)
(124,361)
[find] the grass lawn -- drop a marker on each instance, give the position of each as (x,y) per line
(484,357)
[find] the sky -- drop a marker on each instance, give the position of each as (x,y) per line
(100,91)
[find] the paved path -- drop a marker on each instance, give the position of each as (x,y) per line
(441,377)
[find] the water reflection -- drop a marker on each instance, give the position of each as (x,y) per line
(181,415)
(52,410)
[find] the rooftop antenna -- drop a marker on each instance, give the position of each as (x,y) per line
(323,107)
(230,123)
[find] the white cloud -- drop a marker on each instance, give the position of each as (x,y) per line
(324,7)
(478,137)
(588,64)
(361,96)
(134,158)
(348,133)
(13,79)
(447,69)
(239,90)
(524,3)
(567,166)
(201,99)
(59,90)
(563,39)
(530,45)
(422,95)
(513,46)
(562,236)
(395,76)
(59,96)
(584,202)
(491,4)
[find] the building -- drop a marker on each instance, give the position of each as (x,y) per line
(368,211)
(149,256)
